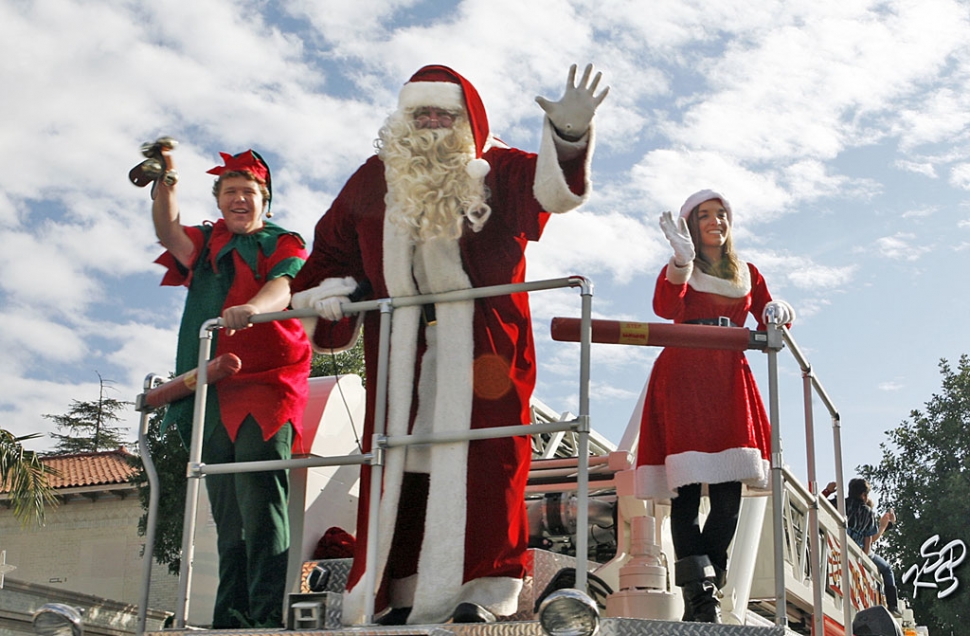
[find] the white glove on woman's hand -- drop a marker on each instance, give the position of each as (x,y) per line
(679,237)
(572,114)
(329,308)
(327,288)
(778,312)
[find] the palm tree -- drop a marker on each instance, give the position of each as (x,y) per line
(24,476)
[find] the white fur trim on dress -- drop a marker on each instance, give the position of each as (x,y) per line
(702,282)
(691,467)
(550,188)
(439,94)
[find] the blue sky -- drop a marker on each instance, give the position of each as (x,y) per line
(838,130)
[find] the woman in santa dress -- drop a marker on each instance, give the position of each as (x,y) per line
(703,420)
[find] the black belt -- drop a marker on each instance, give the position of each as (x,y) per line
(428,313)
(721,321)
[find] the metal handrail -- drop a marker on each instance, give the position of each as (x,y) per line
(195,469)
(813,386)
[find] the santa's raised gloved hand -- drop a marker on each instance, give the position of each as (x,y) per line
(326,297)
(778,312)
(572,114)
(678,235)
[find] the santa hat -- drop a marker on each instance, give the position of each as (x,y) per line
(250,161)
(697,198)
(442,87)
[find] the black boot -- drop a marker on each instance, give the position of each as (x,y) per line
(697,579)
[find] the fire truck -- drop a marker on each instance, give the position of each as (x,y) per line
(600,559)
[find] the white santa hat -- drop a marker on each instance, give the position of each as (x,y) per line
(701,196)
(442,87)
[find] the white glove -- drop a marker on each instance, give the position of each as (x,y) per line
(572,114)
(329,308)
(679,237)
(327,288)
(778,312)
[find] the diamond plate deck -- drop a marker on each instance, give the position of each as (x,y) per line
(608,627)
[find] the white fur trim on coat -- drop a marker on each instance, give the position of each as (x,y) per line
(438,94)
(441,563)
(328,288)
(678,275)
(550,187)
(445,403)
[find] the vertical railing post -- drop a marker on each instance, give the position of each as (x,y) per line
(582,477)
(777,475)
(814,543)
(843,533)
(377,462)
(153,494)
(194,475)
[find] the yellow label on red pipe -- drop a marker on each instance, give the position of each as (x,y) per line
(634,333)
(191,379)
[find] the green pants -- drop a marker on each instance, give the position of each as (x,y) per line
(252,525)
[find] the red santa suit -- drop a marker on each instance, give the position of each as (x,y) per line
(703,420)
(453,522)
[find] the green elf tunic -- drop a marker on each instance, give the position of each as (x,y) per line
(228,270)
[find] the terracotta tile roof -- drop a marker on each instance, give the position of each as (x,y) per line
(90,469)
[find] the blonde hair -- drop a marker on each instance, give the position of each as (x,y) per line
(729,267)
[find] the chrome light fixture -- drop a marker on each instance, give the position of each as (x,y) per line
(57,619)
(569,612)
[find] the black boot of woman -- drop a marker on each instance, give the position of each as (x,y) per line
(696,577)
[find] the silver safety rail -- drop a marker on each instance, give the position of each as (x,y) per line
(579,425)
(784,506)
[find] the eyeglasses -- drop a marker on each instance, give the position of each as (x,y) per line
(431,117)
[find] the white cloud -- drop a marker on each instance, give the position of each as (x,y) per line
(891,385)
(900,247)
(960,176)
(925,168)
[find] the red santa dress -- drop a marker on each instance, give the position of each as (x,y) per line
(703,420)
(453,520)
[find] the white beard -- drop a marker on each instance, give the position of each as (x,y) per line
(429,192)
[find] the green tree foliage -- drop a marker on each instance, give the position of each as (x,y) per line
(24,476)
(89,425)
(924,474)
(350,361)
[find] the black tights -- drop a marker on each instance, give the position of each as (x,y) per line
(719,528)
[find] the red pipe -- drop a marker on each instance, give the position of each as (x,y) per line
(218,368)
(656,334)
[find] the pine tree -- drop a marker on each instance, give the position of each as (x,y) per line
(88,425)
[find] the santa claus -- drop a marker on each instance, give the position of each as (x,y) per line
(445,206)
